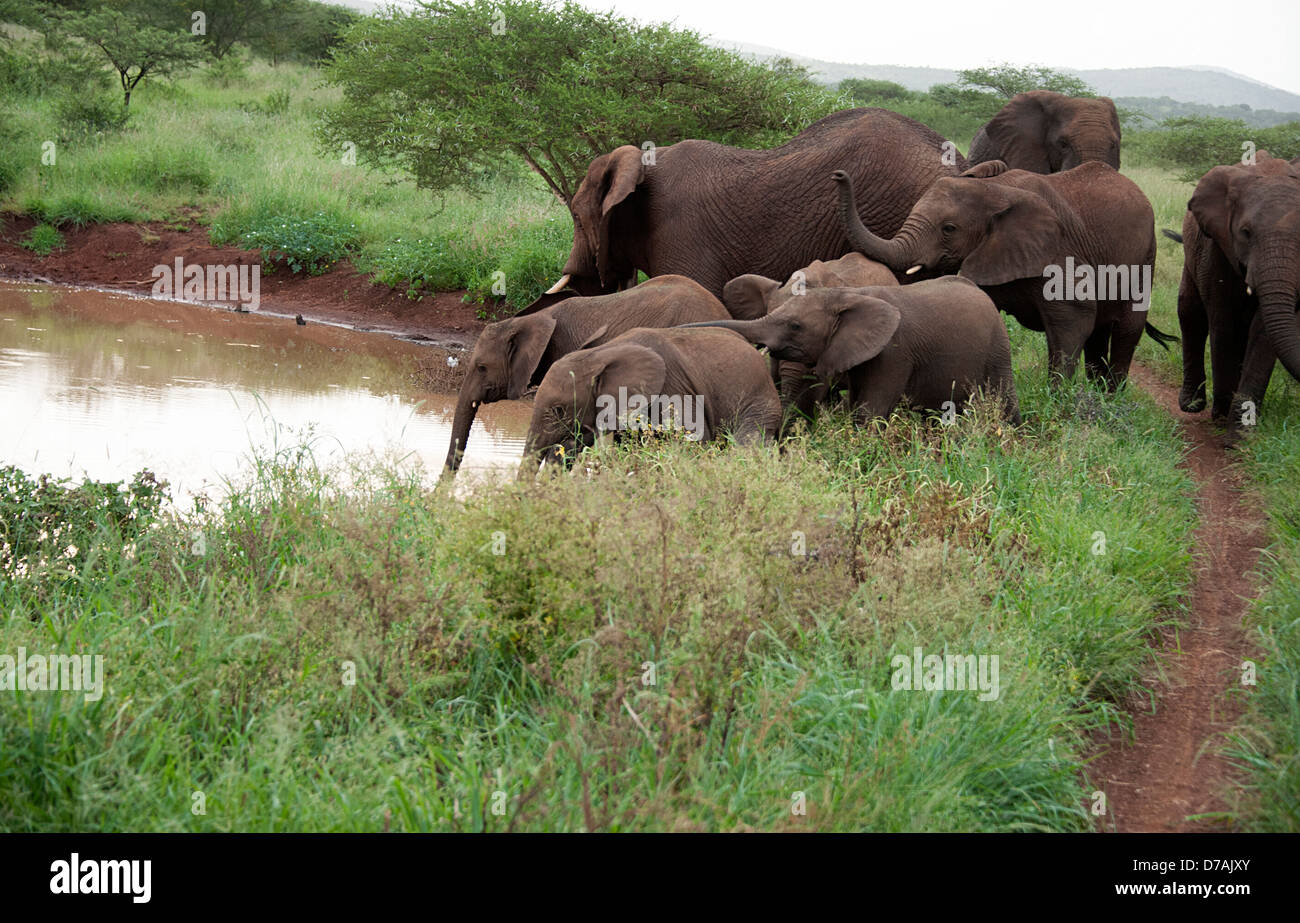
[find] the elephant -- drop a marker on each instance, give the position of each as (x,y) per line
(1045,132)
(716,382)
(512,355)
(925,344)
(713,212)
(752,296)
(1240,282)
(1070,254)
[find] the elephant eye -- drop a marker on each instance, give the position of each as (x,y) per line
(949,228)
(1245,232)
(795,325)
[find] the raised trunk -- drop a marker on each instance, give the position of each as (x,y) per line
(1278,306)
(466,407)
(893,253)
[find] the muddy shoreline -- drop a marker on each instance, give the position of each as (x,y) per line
(120,257)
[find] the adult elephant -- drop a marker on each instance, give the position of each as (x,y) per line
(1241,278)
(713,212)
(713,381)
(1045,132)
(1013,232)
(513,355)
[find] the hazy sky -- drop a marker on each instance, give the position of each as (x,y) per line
(1265,45)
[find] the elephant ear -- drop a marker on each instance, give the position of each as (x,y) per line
(1023,237)
(1019,132)
(863,327)
(745,297)
(628,365)
(1211,205)
(595,337)
(987,168)
(610,179)
(526,345)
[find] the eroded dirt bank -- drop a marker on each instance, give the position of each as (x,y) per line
(122,256)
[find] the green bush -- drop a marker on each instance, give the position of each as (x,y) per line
(275,103)
(88,113)
(50,524)
(311,243)
(527,258)
(1197,143)
(43,239)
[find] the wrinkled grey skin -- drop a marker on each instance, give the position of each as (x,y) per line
(513,355)
(713,212)
(1240,283)
(752,296)
(924,344)
(1002,228)
(1046,132)
(725,370)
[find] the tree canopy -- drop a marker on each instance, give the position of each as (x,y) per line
(449,90)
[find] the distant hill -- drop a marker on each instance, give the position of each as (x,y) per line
(1160,92)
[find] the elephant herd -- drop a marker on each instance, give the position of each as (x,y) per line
(867,255)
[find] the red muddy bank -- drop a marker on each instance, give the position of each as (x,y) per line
(122,256)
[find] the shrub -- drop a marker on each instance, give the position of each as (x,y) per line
(312,243)
(88,113)
(275,103)
(43,239)
(1197,143)
(50,523)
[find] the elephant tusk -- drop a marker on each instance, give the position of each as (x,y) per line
(915,269)
(1249,290)
(564,280)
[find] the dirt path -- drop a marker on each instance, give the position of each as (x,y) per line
(1172,770)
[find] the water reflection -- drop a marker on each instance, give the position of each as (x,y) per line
(100,384)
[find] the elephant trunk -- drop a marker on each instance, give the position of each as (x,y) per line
(893,253)
(471,395)
(751,330)
(1277,304)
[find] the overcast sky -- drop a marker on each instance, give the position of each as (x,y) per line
(1264,45)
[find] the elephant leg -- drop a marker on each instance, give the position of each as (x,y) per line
(1095,349)
(1194,327)
(877,387)
(1124,338)
(1068,326)
(1227,349)
(1256,371)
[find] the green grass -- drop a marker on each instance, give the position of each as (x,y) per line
(253,156)
(522,673)
(43,240)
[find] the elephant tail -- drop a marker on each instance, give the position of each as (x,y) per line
(1164,339)
(1172,235)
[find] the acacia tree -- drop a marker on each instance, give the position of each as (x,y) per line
(447,91)
(1007,80)
(135,49)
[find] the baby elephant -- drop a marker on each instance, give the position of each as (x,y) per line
(926,344)
(514,354)
(706,381)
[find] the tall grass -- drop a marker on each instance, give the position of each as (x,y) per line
(528,673)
